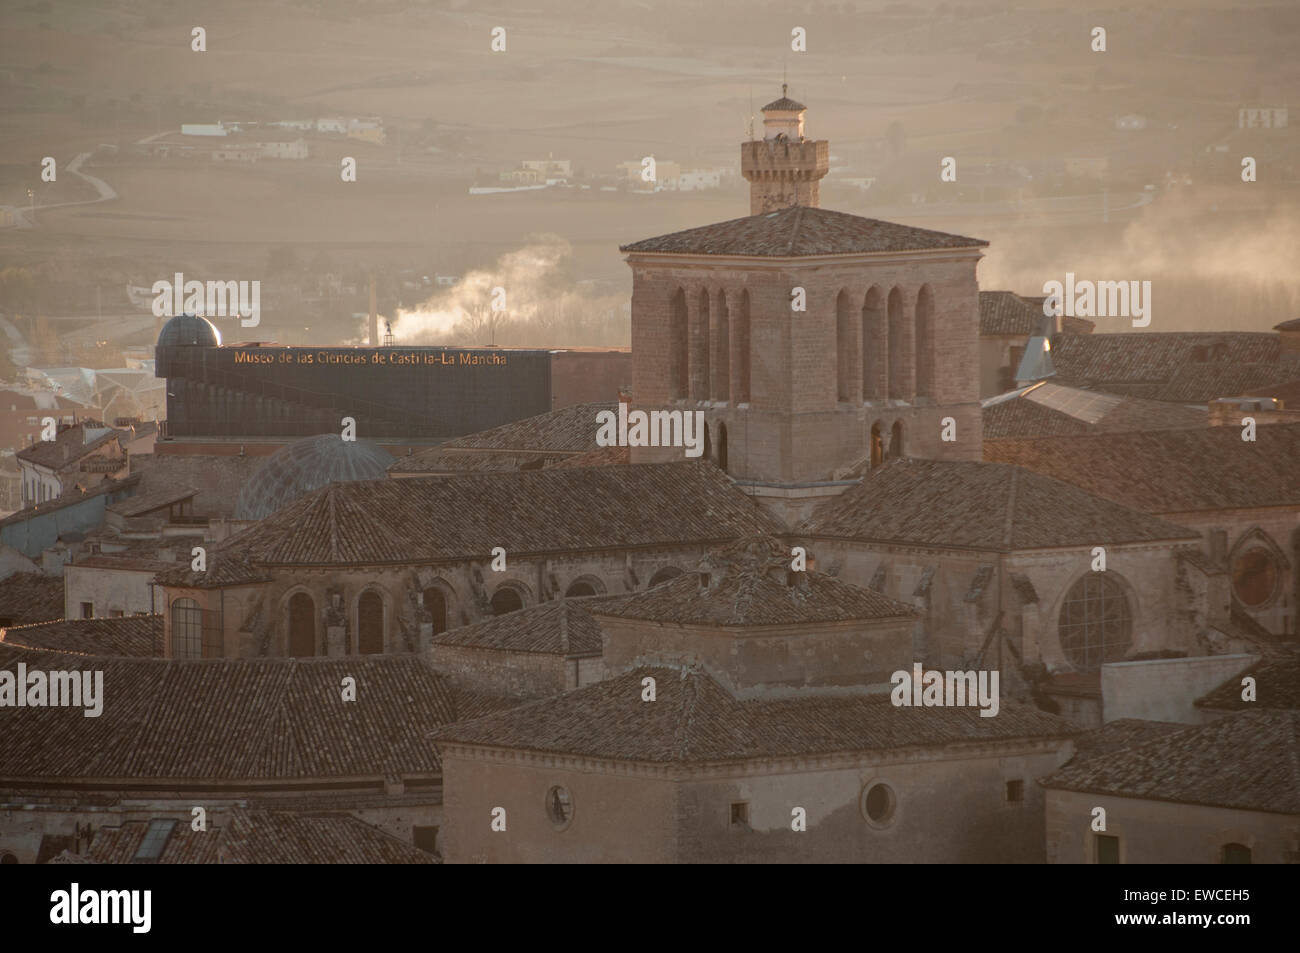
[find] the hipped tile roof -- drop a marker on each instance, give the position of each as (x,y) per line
(222,720)
(1046,409)
(1249,761)
(801,231)
(694,719)
(138,636)
(1277,685)
(564,627)
(27,597)
(288,837)
(428,519)
(1006,313)
(973,505)
(1169,471)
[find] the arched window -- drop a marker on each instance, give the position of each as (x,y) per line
(847,361)
(700,349)
(924,342)
(877,446)
(1096,625)
(741,361)
(8,858)
(899,358)
(579,587)
(506,599)
(896,440)
(435,603)
(370,623)
(663,575)
(302,625)
(1256,572)
(708,443)
(187,629)
(1235,854)
(722,447)
(875,347)
(678,347)
(722,350)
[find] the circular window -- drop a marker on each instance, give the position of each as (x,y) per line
(559,807)
(878,804)
(1254,576)
(1096,625)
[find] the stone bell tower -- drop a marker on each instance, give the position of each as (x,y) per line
(783,168)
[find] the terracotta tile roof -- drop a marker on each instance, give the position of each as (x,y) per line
(1049,409)
(70,445)
(1118,735)
(564,627)
(567,430)
(747,584)
(1192,367)
(150,500)
(119,845)
(1249,761)
(602,457)
(1277,685)
(1169,471)
(287,837)
(224,720)
(31,597)
(972,505)
(1292,325)
(1288,393)
(1004,312)
(263,837)
(800,231)
(140,636)
(431,519)
(784,103)
(694,719)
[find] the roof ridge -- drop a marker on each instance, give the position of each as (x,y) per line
(794,233)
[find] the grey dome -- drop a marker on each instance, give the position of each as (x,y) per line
(189,329)
(305,465)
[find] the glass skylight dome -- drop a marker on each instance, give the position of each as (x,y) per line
(305,465)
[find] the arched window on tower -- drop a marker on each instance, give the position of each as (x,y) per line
(370,623)
(700,335)
(678,347)
(302,625)
(875,347)
(899,358)
(896,440)
(877,446)
(847,360)
(924,342)
(722,350)
(722,447)
(741,351)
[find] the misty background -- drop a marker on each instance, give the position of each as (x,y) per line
(517,169)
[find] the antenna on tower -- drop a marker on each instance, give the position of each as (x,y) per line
(750,126)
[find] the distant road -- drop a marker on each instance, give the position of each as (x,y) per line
(106,192)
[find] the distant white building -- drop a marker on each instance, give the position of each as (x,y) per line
(297,149)
(1131,121)
(1261,117)
(302,125)
(339,126)
(203,129)
(692,180)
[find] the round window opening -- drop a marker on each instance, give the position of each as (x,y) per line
(1254,576)
(1096,625)
(878,803)
(559,807)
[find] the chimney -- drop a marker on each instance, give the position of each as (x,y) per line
(374,314)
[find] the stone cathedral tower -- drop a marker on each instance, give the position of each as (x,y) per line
(783,168)
(814,342)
